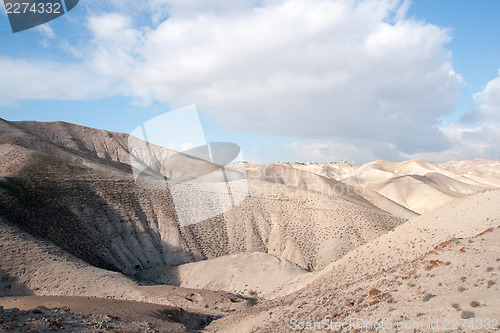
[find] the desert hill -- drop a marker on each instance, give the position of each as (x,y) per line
(326,179)
(444,264)
(104,144)
(374,182)
(405,189)
(82,214)
(92,208)
(250,273)
(417,185)
(481,170)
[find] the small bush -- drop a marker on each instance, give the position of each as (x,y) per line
(467,314)
(475,304)
(253,293)
(427,297)
(456,306)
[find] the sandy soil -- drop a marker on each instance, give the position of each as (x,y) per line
(90,314)
(84,248)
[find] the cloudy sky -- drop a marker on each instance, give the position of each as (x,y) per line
(288,80)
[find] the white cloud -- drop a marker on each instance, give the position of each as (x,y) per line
(352,151)
(46,30)
(477,134)
(315,69)
(28,80)
(111,27)
(466,143)
(356,72)
(186,146)
(489,104)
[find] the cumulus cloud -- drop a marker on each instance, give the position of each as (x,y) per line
(489,104)
(356,72)
(476,134)
(315,69)
(465,143)
(46,30)
(352,151)
(28,80)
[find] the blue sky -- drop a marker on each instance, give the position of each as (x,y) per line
(475,45)
(288,80)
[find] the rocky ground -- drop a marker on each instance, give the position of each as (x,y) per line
(84,247)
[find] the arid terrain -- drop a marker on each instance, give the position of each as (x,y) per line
(86,245)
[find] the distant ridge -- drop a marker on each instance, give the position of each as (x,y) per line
(336,241)
(78,177)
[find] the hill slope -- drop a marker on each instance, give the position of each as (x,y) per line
(441,265)
(416,185)
(315,240)
(91,207)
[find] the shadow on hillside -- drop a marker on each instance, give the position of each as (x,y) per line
(10,285)
(108,223)
(190,320)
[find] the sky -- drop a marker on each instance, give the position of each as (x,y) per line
(287,80)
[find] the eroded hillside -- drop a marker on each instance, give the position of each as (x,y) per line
(59,191)
(441,266)
(306,241)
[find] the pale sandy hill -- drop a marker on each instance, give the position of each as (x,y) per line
(86,142)
(484,171)
(308,228)
(104,144)
(330,170)
(18,145)
(444,264)
(404,189)
(465,217)
(99,214)
(388,205)
(342,170)
(318,178)
(253,274)
(411,167)
(290,175)
(416,193)
(111,223)
(110,145)
(115,146)
(380,171)
(30,267)
(416,185)
(315,240)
